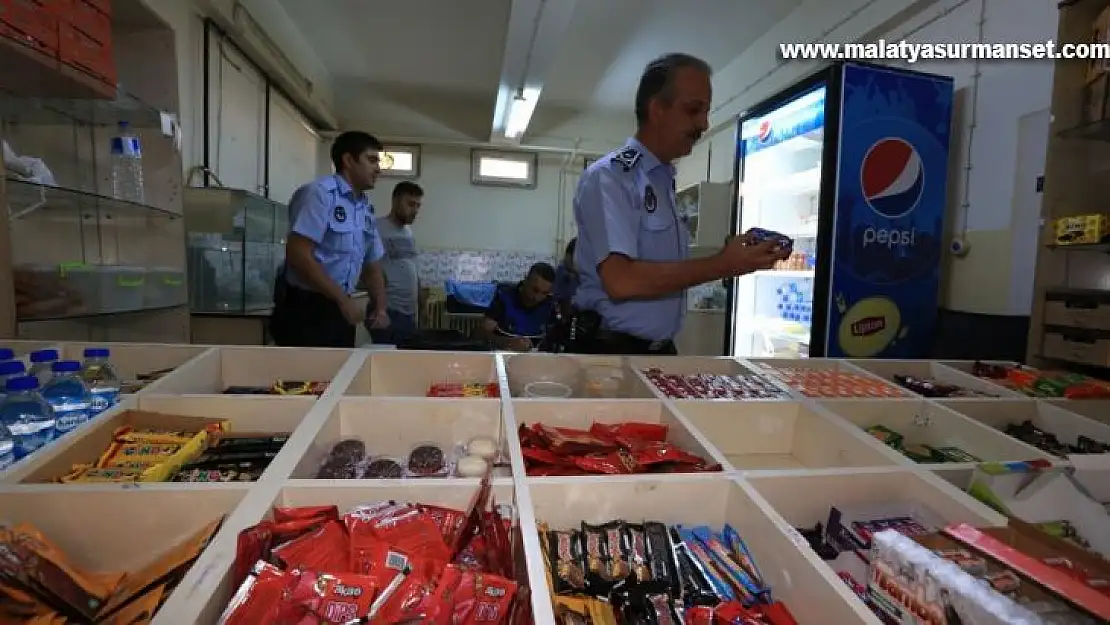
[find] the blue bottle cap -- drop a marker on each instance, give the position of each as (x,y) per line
(44,355)
(66,366)
(97,352)
(22,383)
(6,353)
(12,367)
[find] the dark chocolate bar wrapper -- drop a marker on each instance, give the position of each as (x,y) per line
(564,551)
(209,457)
(599,581)
(662,558)
(228,474)
(696,587)
(249,443)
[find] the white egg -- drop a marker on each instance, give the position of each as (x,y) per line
(471,466)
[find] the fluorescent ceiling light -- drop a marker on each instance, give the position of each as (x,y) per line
(521,108)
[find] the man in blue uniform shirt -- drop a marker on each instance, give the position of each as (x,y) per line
(333,246)
(633,248)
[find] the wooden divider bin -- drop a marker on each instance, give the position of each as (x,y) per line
(392,426)
(1097,409)
(589,377)
(388,373)
(1054,419)
(583,413)
(131,360)
(935,371)
(108,529)
(922,422)
(812,592)
(213,372)
(188,414)
(775,435)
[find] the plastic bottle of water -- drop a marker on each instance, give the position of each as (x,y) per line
(10,369)
(68,396)
(26,415)
(7,448)
(102,380)
(127,166)
(6,353)
(41,361)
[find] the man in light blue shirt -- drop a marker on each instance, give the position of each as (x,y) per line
(633,248)
(333,246)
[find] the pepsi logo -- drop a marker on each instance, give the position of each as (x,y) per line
(892,177)
(764,130)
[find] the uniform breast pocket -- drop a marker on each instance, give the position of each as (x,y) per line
(340,236)
(658,237)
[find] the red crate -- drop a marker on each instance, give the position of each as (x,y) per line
(32,22)
(88,19)
(79,50)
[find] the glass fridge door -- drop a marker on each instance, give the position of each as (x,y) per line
(778,189)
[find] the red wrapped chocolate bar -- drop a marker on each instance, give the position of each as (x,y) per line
(605,449)
(384,562)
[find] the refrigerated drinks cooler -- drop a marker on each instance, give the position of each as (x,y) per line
(852,164)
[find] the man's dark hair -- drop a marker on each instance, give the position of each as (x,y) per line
(657,81)
(353,142)
(407,188)
(542,270)
(570,247)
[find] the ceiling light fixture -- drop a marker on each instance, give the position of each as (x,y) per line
(521,108)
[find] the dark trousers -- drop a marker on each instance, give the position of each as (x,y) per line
(303,318)
(401,328)
(628,345)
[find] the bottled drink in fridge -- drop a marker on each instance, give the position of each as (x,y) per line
(68,396)
(101,378)
(127,166)
(26,415)
(7,447)
(41,362)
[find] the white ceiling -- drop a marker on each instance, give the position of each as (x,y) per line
(453,51)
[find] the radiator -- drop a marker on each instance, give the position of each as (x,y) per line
(436,317)
(433,315)
(465,323)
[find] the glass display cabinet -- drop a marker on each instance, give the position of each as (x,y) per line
(235,243)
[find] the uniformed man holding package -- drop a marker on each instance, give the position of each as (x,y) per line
(633,248)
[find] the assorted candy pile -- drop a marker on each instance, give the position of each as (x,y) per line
(349,460)
(931,388)
(611,449)
(384,562)
(830,383)
(1047,442)
(926,454)
(161,455)
(280,387)
(40,585)
(1039,383)
(713,386)
(464,389)
(632,573)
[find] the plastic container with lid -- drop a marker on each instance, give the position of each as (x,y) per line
(26,415)
(10,369)
(164,286)
(101,378)
(68,396)
(41,362)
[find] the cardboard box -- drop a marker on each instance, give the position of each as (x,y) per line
(1039,496)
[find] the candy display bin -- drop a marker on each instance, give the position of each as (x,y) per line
(824,378)
(131,360)
(581,414)
(1053,419)
(812,593)
(391,427)
(211,590)
(586,377)
(686,365)
(1097,409)
(960,477)
(775,435)
(215,371)
(922,422)
(934,372)
(187,414)
(400,373)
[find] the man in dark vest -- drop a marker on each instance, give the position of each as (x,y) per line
(518,316)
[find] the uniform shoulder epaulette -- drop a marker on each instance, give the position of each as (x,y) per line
(626,158)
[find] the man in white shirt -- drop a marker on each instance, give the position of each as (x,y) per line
(399,266)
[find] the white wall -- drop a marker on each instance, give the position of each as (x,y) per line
(459,215)
(994,278)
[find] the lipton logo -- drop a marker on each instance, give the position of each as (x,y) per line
(868,326)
